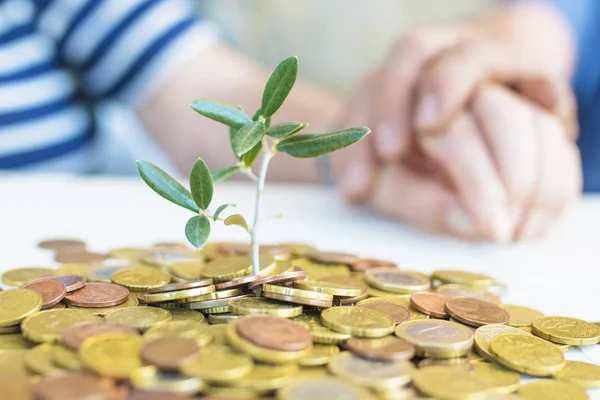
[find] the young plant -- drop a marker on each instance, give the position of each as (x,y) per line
(249,138)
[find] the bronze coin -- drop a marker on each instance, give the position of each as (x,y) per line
(62,245)
(79,257)
(363,264)
(330,257)
(74,335)
(396,312)
(98,294)
(274,333)
(388,348)
(429,303)
(237,282)
(52,291)
(72,386)
(298,300)
(476,312)
(181,286)
(71,282)
(291,276)
(169,353)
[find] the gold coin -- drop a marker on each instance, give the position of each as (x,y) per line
(320,333)
(66,358)
(115,355)
(150,379)
(361,322)
(315,271)
(132,301)
(463,278)
(521,316)
(322,388)
(401,301)
(17,304)
(374,292)
(219,334)
(219,294)
(546,389)
(265,378)
(450,290)
(260,305)
(306,294)
(217,310)
(227,268)
(40,361)
(526,354)
(397,281)
(47,326)
(20,276)
(223,318)
(177,294)
(14,362)
(496,378)
(131,254)
(140,278)
(103,273)
(14,341)
(189,329)
(332,288)
(165,257)
(436,338)
(580,373)
(219,364)
(370,373)
(320,354)
(73,269)
(198,299)
(187,270)
(183,314)
(566,330)
(484,334)
(260,353)
(140,318)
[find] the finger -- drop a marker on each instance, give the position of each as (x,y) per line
(422,202)
(392,108)
(462,154)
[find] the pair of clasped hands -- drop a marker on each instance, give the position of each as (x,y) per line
(474,129)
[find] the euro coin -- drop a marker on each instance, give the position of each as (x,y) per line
(521,316)
(371,373)
(17,304)
(140,278)
(357,321)
(484,335)
(566,330)
(20,276)
(48,326)
(115,355)
(436,338)
(526,354)
(259,305)
(219,364)
(322,388)
(140,318)
(463,278)
(189,329)
(397,281)
(552,390)
(580,373)
(475,312)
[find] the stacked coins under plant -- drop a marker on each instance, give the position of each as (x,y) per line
(171,323)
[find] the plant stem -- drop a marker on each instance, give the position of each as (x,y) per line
(267,155)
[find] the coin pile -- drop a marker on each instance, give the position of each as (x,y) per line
(168,323)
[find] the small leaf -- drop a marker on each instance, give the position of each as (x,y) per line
(285,129)
(279,86)
(314,145)
(249,158)
(197,230)
(221,112)
(248,136)
(220,175)
(167,187)
(221,209)
(236,219)
(201,184)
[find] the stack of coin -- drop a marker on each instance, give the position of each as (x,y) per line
(168,322)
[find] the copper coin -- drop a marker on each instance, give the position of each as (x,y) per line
(330,257)
(396,312)
(169,353)
(71,386)
(389,348)
(52,291)
(363,264)
(62,244)
(237,282)
(181,286)
(98,294)
(79,257)
(298,300)
(74,335)
(274,333)
(71,282)
(429,303)
(294,275)
(476,312)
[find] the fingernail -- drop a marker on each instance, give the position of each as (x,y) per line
(356,180)
(388,140)
(428,111)
(460,222)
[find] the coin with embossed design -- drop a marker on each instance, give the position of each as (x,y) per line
(484,335)
(476,312)
(98,294)
(436,338)
(566,330)
(526,354)
(397,281)
(275,333)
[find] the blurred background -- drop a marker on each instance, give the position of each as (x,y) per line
(337,41)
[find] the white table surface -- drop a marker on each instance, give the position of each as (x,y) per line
(559,275)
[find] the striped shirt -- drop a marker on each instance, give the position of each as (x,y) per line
(58,58)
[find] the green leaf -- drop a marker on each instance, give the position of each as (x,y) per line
(220,175)
(314,145)
(248,136)
(285,129)
(221,209)
(197,230)
(165,185)
(249,158)
(236,219)
(279,86)
(221,112)
(201,184)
